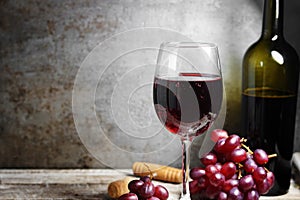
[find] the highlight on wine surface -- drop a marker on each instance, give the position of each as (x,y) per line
(187,93)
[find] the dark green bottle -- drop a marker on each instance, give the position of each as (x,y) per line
(269,95)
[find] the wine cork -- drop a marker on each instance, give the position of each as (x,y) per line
(119,187)
(159,172)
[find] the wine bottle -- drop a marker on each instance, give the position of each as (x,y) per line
(270,77)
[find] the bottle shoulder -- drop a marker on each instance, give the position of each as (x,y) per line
(267,49)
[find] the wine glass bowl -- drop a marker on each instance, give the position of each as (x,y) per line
(188,87)
(187,92)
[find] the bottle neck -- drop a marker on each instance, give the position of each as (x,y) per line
(273,19)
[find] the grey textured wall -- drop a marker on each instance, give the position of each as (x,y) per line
(43,44)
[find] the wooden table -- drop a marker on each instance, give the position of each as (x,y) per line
(76,184)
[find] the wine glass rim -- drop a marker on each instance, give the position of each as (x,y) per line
(189,44)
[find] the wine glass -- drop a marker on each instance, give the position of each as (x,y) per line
(187,93)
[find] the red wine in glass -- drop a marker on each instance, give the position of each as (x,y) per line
(187,103)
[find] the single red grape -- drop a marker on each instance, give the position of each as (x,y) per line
(229,184)
(251,195)
(210,170)
(209,159)
(128,196)
(235,194)
(232,142)
(263,187)
(219,146)
(250,165)
(238,155)
(246,183)
(217,179)
(228,169)
(260,156)
(259,174)
(218,134)
(161,192)
(197,172)
(135,185)
(222,196)
(147,190)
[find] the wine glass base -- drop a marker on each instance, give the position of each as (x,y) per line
(185,197)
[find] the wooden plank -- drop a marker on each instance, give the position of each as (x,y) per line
(60,176)
(64,184)
(78,184)
(53,191)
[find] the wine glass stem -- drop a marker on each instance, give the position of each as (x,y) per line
(186,143)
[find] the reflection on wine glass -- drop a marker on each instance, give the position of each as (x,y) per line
(187,93)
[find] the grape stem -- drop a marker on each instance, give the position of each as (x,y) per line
(267,170)
(243,140)
(151,174)
(247,148)
(272,155)
(240,174)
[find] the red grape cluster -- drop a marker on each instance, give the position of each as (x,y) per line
(144,189)
(231,171)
